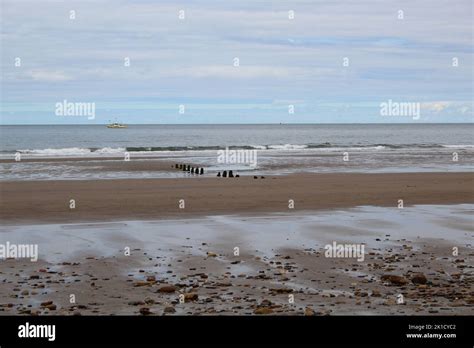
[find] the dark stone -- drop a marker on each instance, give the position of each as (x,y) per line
(394,279)
(237,176)
(145,311)
(219,174)
(224,174)
(168,289)
(169,309)
(419,278)
(202,171)
(176,165)
(255,177)
(231,175)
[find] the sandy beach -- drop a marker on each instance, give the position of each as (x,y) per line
(184,261)
(114,200)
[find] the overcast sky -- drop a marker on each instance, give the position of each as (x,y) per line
(392,55)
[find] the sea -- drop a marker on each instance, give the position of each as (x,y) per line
(279,149)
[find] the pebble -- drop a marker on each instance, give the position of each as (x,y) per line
(145,311)
(394,279)
(169,309)
(190,296)
(263,310)
(168,289)
(419,278)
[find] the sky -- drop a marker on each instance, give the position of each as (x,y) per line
(246,61)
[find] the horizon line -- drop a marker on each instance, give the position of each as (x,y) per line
(236,124)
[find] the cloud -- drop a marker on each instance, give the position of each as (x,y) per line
(436,106)
(239,72)
(462,107)
(48,75)
(299,59)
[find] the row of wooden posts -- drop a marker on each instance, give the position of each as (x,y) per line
(188,168)
(200,171)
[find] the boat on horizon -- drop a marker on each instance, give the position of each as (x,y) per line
(116,125)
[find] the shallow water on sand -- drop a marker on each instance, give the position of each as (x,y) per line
(265,234)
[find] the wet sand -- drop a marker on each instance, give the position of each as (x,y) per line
(190,266)
(114,200)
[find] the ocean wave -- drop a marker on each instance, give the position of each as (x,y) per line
(287,147)
(459,146)
(325,147)
(72,151)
